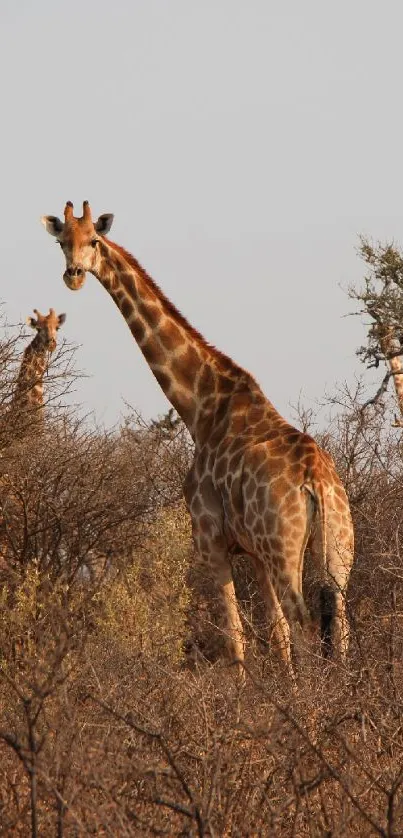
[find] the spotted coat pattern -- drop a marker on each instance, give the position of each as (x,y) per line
(257,484)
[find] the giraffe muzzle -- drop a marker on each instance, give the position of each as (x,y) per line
(74,277)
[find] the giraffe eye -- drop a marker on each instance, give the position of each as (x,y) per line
(94,242)
(59,243)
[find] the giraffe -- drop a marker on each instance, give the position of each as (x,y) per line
(25,409)
(390,343)
(27,402)
(256,485)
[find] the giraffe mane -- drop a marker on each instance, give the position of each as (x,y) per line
(227,363)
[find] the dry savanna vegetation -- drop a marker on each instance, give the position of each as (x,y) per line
(118,714)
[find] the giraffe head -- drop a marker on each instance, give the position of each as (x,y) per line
(79,240)
(46,326)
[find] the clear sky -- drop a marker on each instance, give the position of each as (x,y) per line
(241,144)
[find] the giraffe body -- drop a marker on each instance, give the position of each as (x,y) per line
(256,484)
(267,489)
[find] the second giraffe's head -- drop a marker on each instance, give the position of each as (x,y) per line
(79,240)
(46,326)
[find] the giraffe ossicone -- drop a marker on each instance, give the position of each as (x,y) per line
(257,484)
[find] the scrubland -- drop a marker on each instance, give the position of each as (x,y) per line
(119,715)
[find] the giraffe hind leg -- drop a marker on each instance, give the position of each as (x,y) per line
(333,575)
(327,605)
(334,623)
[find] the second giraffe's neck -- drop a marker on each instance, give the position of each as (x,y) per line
(192,374)
(29,385)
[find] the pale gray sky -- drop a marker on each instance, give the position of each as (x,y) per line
(242,147)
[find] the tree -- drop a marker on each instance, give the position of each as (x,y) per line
(382,300)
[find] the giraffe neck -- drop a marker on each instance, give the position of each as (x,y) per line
(29,385)
(192,374)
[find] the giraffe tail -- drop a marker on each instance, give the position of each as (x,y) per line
(327,594)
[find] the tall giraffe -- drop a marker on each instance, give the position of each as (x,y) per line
(27,401)
(256,485)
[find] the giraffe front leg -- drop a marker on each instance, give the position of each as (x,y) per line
(214,563)
(231,620)
(279,627)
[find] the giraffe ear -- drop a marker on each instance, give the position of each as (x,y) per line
(104,223)
(30,321)
(61,320)
(53,224)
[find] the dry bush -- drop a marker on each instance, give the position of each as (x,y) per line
(144,607)
(147,748)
